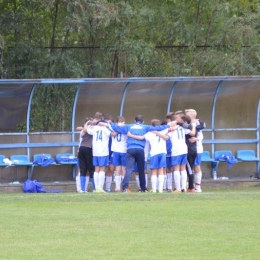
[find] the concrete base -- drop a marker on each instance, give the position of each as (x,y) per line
(70,186)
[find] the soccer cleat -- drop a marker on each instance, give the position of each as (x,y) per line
(191,190)
(144,191)
(183,190)
(102,191)
(198,190)
(176,191)
(160,191)
(151,191)
(107,190)
(127,191)
(118,191)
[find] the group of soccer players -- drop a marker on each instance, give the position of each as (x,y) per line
(174,146)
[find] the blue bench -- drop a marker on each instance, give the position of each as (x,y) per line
(249,156)
(22,160)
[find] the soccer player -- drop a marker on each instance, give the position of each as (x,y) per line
(135,149)
(85,158)
(100,141)
(198,139)
(119,154)
(110,169)
(179,152)
(157,155)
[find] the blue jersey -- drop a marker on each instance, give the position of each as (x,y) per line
(136,129)
(169,146)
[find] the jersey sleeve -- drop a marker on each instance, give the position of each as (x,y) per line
(91,130)
(122,129)
(187,131)
(156,128)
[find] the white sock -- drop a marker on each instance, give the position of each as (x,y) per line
(96,180)
(169,181)
(101,180)
(161,179)
(197,179)
(146,180)
(137,181)
(164,181)
(184,180)
(108,182)
(78,187)
(154,182)
(177,180)
(87,180)
(118,182)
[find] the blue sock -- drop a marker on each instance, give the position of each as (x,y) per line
(93,183)
(83,183)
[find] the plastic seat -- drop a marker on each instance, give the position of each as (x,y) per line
(247,156)
(222,153)
(66,158)
(205,157)
(1,161)
(21,160)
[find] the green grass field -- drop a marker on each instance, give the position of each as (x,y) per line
(216,224)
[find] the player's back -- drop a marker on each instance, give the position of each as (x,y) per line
(158,144)
(119,143)
(179,146)
(100,140)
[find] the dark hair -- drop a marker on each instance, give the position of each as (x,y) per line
(170,116)
(139,118)
(120,119)
(186,118)
(108,117)
(98,116)
(155,122)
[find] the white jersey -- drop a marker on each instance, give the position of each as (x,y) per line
(146,150)
(177,137)
(100,140)
(199,141)
(119,143)
(158,144)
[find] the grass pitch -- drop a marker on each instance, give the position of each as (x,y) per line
(218,224)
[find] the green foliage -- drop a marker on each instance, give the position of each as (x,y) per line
(102,38)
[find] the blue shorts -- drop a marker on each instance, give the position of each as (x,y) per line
(136,168)
(179,159)
(158,161)
(119,159)
(169,162)
(198,159)
(100,161)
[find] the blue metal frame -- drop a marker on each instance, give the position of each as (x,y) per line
(28,118)
(121,112)
(257,136)
(73,114)
(170,96)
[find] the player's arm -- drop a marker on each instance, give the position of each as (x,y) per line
(161,135)
(193,130)
(138,137)
(114,133)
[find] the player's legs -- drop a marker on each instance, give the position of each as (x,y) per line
(139,158)
(100,163)
(130,162)
(197,173)
(189,169)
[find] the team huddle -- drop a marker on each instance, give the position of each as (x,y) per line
(173,146)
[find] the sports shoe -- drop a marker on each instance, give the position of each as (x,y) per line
(151,191)
(102,191)
(183,190)
(176,191)
(144,191)
(198,190)
(118,191)
(107,190)
(127,191)
(191,190)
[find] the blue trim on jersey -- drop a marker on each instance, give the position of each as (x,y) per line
(136,129)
